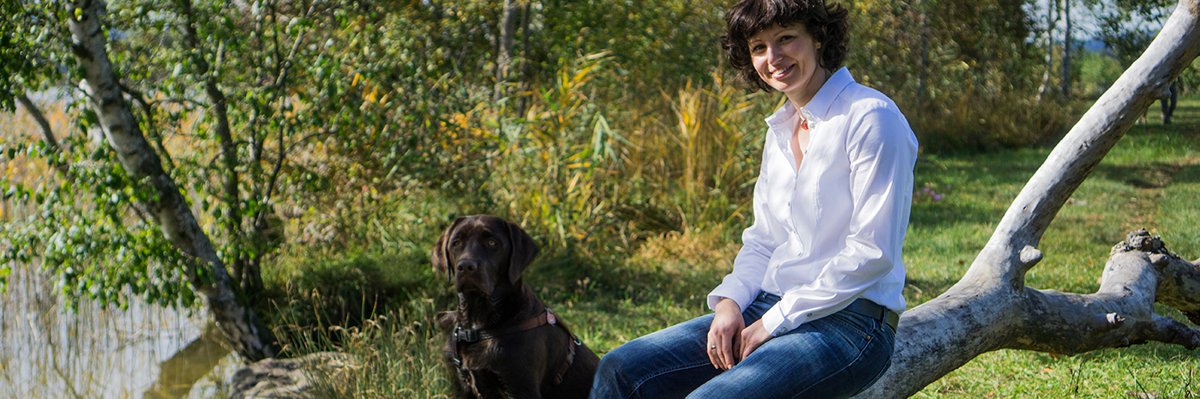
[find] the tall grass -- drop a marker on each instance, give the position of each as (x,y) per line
(708,155)
(591,171)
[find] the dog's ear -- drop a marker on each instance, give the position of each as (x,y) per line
(523,252)
(441,252)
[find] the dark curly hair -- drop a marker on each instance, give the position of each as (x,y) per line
(825,22)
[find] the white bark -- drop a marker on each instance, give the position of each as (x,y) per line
(991,308)
(508,24)
(240,325)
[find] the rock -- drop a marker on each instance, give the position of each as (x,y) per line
(286,378)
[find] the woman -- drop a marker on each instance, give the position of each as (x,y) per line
(811,305)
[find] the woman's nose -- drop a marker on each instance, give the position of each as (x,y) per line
(773,54)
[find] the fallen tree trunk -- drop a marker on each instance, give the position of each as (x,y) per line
(990,308)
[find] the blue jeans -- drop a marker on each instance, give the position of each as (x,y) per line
(834,356)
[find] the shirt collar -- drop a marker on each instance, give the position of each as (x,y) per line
(817,109)
(822,102)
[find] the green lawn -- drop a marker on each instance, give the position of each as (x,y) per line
(1151,180)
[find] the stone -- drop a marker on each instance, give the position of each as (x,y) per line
(287,378)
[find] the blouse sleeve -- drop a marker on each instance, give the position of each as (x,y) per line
(758,243)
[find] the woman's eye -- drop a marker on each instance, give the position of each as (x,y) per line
(758,48)
(786,39)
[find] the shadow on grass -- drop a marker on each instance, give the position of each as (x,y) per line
(1151,175)
(950,212)
(918,291)
(570,279)
(1157,351)
(322,298)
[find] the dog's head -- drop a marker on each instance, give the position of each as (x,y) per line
(483,252)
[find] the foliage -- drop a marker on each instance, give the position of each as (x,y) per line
(963,72)
(1128,26)
(13,47)
(87,234)
(1097,72)
(654,47)
(231,97)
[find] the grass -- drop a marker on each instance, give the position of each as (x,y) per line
(1150,180)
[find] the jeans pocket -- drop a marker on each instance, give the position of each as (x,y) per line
(855,329)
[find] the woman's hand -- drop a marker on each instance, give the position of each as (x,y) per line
(751,338)
(724,337)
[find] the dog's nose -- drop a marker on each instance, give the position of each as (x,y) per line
(467,266)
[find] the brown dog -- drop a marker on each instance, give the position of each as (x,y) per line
(503,341)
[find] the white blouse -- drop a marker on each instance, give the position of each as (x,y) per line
(832,231)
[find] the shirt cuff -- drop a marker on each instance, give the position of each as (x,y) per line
(740,297)
(773,321)
(776,322)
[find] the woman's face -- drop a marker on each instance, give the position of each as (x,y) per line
(786,59)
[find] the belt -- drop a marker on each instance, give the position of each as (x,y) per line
(871,309)
(862,306)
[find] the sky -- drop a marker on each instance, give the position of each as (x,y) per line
(1083,19)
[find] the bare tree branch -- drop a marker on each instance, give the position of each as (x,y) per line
(40,118)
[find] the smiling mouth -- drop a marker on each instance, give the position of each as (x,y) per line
(780,73)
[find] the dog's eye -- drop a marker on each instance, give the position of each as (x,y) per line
(456,243)
(491,243)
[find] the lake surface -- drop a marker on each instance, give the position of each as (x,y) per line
(48,351)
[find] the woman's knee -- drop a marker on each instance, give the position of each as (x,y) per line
(617,361)
(613,374)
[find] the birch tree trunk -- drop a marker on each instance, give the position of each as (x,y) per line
(508,23)
(240,326)
(1066,57)
(991,308)
(1052,17)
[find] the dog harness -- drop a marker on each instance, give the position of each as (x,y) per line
(467,336)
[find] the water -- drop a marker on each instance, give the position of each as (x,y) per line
(47,351)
